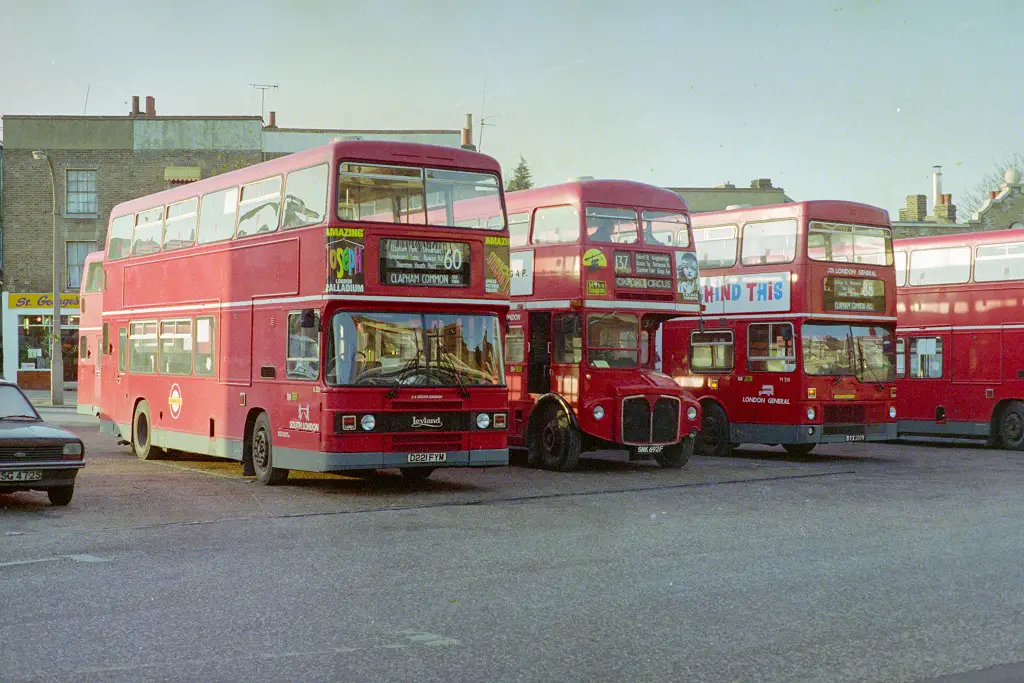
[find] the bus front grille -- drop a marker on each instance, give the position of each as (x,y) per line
(665,426)
(427,442)
(636,420)
(843,412)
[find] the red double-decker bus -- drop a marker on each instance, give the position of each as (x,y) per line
(597,267)
(796,346)
(336,309)
(960,369)
(90,342)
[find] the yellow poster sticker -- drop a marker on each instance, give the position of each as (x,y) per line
(597,288)
(594,259)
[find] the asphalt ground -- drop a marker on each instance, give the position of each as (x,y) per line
(864,562)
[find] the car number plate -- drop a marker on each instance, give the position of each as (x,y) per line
(21,475)
(428,457)
(854,437)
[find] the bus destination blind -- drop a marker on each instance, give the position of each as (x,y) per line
(424,263)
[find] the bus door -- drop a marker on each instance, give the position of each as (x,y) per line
(97,382)
(538,362)
(567,355)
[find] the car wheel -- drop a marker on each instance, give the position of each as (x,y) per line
(675,456)
(142,432)
(713,438)
(262,450)
(416,474)
(800,449)
(1011,427)
(555,442)
(60,495)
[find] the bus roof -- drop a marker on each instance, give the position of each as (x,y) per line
(826,209)
(960,239)
(623,192)
(378,151)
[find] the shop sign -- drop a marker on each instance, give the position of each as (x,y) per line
(68,300)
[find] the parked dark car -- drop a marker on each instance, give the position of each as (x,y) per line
(35,455)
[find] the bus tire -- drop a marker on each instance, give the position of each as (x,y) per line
(713,438)
(1011,426)
(262,449)
(675,456)
(800,449)
(416,474)
(555,442)
(142,433)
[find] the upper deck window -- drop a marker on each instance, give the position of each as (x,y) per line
(149,231)
(605,224)
(305,197)
(418,196)
(217,215)
(769,242)
(519,229)
(556,225)
(940,266)
(666,228)
(258,211)
(716,246)
(997,262)
(94,277)
(120,244)
(844,243)
(901,267)
(182,219)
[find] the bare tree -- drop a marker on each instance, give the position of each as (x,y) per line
(973,199)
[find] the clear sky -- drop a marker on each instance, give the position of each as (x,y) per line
(845,99)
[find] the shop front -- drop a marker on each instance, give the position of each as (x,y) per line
(27,328)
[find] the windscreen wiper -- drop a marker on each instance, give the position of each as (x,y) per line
(445,357)
(413,364)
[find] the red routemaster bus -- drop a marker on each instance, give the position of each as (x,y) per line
(960,364)
(796,346)
(335,309)
(597,267)
(90,343)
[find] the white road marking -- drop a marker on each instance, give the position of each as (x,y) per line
(76,558)
(429,639)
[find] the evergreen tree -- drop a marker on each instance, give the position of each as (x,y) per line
(521,178)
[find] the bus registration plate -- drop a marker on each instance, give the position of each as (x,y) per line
(855,437)
(428,457)
(21,475)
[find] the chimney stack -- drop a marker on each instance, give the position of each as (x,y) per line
(150,106)
(945,210)
(273,120)
(761,184)
(135,105)
(467,133)
(936,185)
(916,209)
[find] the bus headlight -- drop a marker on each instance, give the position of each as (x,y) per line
(483,421)
(691,413)
(892,412)
(598,412)
(811,414)
(368,423)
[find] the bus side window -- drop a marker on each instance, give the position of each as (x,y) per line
(711,351)
(519,229)
(122,349)
(770,347)
(901,359)
(515,346)
(83,347)
(568,338)
(303,357)
(205,329)
(925,357)
(107,348)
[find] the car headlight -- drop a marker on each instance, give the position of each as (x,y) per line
(483,421)
(811,413)
(73,449)
(368,422)
(892,412)
(691,413)
(598,412)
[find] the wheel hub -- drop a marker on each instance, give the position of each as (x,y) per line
(1013,427)
(259,450)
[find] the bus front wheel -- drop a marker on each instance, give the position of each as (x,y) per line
(1011,427)
(800,449)
(262,450)
(555,442)
(675,456)
(713,438)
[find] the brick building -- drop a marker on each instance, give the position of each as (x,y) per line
(1003,209)
(98,162)
(760,193)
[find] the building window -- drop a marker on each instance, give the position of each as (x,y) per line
(76,253)
(82,197)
